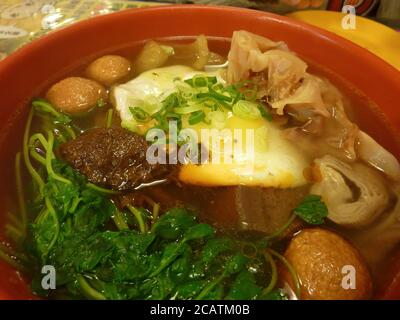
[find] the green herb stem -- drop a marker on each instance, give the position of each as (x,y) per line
(49,158)
(88,291)
(119,220)
(101,190)
(291,270)
(109,118)
(210,286)
(70,131)
(156,211)
(282,229)
(35,175)
(53,214)
(274,273)
(46,107)
(20,190)
(35,155)
(38,137)
(139,218)
(74,204)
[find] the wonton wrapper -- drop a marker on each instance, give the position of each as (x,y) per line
(354,194)
(377,156)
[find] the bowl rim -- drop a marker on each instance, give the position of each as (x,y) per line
(346,46)
(344,43)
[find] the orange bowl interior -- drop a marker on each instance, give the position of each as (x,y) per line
(25,74)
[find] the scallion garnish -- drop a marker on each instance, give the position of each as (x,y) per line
(139,114)
(246,110)
(264,113)
(202,99)
(188,109)
(196,117)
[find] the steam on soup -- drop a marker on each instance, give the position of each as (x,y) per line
(190,174)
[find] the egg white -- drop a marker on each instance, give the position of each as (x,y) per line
(274,162)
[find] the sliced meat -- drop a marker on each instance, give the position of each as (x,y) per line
(112,158)
(267,209)
(249,208)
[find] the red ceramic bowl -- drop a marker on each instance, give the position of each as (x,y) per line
(24,74)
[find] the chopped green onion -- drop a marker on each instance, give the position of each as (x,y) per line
(217,119)
(246,110)
(196,117)
(198,98)
(188,110)
(200,81)
(101,103)
(139,114)
(171,101)
(109,118)
(264,113)
(212,80)
(220,96)
(218,87)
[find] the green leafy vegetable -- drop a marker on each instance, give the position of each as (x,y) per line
(214,247)
(45,107)
(244,287)
(173,225)
(196,117)
(199,231)
(139,114)
(148,255)
(312,210)
(178,257)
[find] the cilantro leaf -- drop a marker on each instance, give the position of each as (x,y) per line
(244,287)
(199,231)
(312,210)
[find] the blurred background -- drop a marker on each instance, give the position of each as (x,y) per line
(22,21)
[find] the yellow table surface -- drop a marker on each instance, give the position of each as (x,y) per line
(375,37)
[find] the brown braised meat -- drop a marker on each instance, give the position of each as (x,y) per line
(113,158)
(247,208)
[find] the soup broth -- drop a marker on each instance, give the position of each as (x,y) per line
(264,220)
